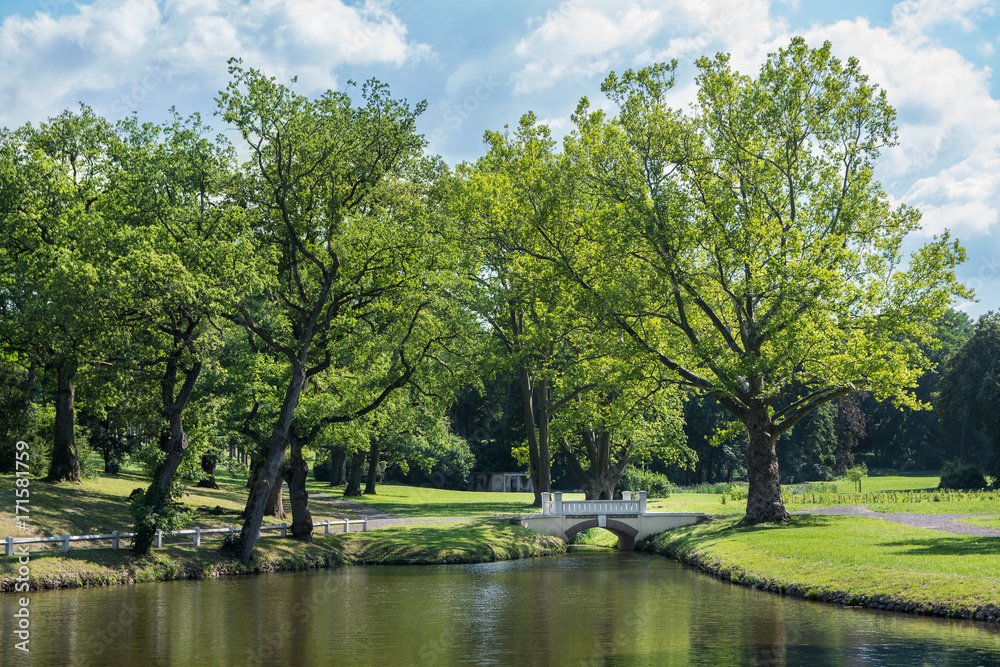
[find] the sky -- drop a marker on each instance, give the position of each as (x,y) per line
(481,64)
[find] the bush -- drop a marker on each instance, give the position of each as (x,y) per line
(655,485)
(323,471)
(956,475)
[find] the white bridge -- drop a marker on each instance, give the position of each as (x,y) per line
(626,518)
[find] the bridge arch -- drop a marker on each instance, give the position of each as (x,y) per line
(625,533)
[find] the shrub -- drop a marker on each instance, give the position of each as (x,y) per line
(957,475)
(655,485)
(323,471)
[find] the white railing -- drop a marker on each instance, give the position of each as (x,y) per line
(552,503)
(338,525)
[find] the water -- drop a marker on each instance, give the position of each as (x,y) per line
(586,608)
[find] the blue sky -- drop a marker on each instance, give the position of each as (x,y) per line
(482,64)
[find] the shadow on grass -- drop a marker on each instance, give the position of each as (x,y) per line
(946,545)
(797,521)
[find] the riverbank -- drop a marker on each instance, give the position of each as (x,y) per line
(476,541)
(850,560)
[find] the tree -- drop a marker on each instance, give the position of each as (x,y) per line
(970,385)
(52,181)
(343,210)
(177,260)
(747,247)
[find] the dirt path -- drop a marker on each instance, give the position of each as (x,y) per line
(943,522)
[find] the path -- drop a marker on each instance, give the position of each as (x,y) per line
(943,522)
(376,517)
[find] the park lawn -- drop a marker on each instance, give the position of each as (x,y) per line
(415,501)
(853,555)
(982,521)
(876,481)
(100,506)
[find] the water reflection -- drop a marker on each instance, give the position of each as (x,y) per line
(586,608)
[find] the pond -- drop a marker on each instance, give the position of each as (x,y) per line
(590,607)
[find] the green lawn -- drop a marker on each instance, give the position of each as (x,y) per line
(983,521)
(849,554)
(414,501)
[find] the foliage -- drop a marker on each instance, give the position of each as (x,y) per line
(958,475)
(970,385)
(323,470)
(856,474)
(654,484)
(746,246)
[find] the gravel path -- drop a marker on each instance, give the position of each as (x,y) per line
(943,522)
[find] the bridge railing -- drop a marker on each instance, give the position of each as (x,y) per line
(553,504)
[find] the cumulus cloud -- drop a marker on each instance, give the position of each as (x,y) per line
(132,46)
(947,161)
(582,39)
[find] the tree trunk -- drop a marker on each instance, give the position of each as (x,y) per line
(373,455)
(764,495)
(600,478)
(158,494)
(338,460)
(539,460)
(267,474)
(275,504)
(65,464)
(302,522)
(357,465)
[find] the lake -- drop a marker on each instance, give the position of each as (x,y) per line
(590,607)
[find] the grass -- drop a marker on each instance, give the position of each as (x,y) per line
(982,521)
(816,555)
(413,501)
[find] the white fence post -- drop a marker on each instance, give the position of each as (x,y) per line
(65,542)
(114,540)
(159,538)
(642,502)
(326,527)
(364,526)
(282,528)
(197,536)
(346,526)
(9,550)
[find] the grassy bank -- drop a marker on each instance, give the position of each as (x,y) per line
(851,560)
(481,540)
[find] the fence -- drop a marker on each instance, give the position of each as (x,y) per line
(555,505)
(195,533)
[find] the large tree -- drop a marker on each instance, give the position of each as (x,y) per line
(52,184)
(342,206)
(747,247)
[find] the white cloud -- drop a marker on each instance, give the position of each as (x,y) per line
(581,39)
(131,46)
(947,162)
(915,17)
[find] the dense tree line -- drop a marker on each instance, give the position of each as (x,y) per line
(721,294)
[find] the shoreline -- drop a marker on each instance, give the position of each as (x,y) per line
(735,573)
(492,540)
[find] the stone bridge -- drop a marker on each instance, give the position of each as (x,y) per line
(626,518)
